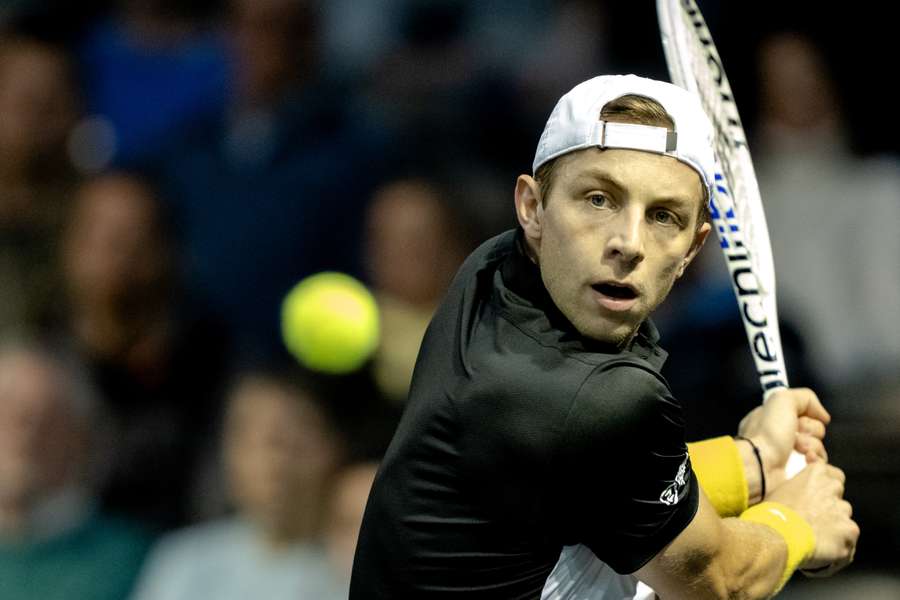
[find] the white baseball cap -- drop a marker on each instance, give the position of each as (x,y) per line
(575,124)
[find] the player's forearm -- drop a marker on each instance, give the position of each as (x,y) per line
(759,551)
(742,561)
(745,557)
(750,562)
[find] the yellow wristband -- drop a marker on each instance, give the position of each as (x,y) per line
(801,541)
(720,471)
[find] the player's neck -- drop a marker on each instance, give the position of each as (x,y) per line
(529,250)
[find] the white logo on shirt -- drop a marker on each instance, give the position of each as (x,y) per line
(675,491)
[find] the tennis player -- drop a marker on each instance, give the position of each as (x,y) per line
(538,418)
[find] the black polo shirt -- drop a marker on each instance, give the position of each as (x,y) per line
(521,436)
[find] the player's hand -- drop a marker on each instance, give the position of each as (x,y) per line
(816,493)
(790,419)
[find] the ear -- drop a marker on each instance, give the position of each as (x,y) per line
(529,208)
(699,239)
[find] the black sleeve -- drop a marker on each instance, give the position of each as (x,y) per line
(625,487)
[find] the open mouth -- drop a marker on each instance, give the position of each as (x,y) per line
(620,292)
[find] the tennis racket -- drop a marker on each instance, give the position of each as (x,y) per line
(735,205)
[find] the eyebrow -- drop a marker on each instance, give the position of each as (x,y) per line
(597,174)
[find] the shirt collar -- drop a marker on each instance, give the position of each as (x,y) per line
(523,277)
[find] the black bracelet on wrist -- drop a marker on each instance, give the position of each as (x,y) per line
(762,472)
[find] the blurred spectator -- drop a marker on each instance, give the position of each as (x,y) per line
(280,452)
(275,190)
(54,543)
(415,243)
(159,369)
(570,47)
(357,34)
(832,219)
(148,70)
(39,105)
(423,83)
(440,93)
(349,495)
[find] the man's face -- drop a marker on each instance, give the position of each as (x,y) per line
(618,228)
(278,449)
(113,249)
(40,441)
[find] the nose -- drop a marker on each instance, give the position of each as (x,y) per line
(626,239)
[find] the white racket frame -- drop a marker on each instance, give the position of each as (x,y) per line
(736,205)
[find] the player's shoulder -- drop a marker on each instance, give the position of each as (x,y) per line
(628,377)
(470,290)
(624,397)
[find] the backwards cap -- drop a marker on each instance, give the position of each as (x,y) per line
(575,124)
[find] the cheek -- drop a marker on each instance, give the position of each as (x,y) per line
(555,259)
(667,275)
(670,268)
(564,239)
(562,269)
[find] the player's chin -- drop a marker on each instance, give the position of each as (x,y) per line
(614,329)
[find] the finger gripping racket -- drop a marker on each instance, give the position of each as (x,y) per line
(736,206)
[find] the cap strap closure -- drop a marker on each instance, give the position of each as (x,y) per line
(632,136)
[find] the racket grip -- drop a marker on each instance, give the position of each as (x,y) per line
(796,463)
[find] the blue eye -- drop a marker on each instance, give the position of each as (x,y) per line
(598,200)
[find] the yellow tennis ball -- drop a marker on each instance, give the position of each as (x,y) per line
(329,322)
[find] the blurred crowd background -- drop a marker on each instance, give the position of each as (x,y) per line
(170,168)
